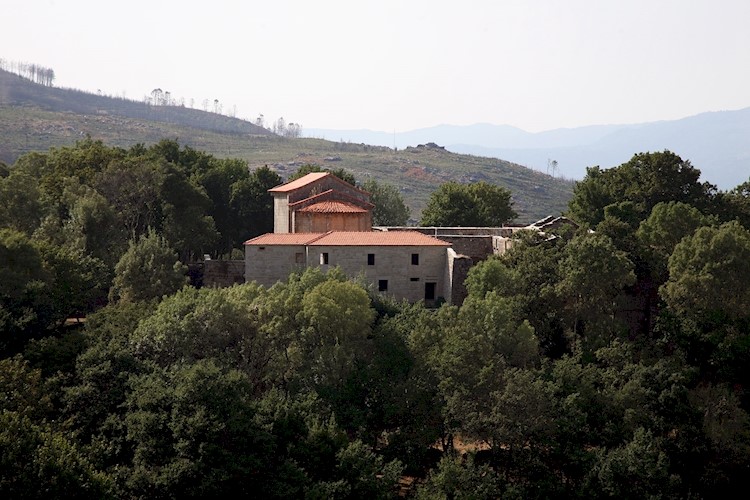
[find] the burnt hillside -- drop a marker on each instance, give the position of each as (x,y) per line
(18,91)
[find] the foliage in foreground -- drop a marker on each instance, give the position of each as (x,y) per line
(610,363)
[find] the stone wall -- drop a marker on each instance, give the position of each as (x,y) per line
(391,264)
(439,232)
(280,213)
(457,270)
(269,264)
(223,273)
(476,247)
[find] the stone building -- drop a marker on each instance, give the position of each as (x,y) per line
(322,221)
(320,202)
(405,264)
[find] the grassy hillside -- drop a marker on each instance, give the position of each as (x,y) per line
(35,118)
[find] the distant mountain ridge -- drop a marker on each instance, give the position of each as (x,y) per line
(718,143)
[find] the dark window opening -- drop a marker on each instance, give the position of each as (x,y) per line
(324,258)
(299,258)
(429,291)
(413,279)
(415,259)
(370,259)
(382,285)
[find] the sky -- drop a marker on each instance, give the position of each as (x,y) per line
(399,65)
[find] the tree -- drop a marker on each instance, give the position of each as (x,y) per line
(25,308)
(194,434)
(593,274)
(185,223)
(132,188)
(20,202)
(252,205)
(78,282)
(454,478)
(390,209)
(149,269)
(219,182)
(38,462)
(645,180)
(478,204)
(339,320)
(220,324)
(665,227)
(707,274)
(737,204)
(638,469)
(528,275)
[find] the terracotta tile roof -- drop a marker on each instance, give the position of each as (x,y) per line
(284,239)
(377,238)
(333,207)
(336,194)
(298,183)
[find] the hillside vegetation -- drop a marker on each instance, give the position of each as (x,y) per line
(34,117)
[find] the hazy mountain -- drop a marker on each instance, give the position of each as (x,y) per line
(718,143)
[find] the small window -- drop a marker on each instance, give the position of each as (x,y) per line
(413,279)
(299,258)
(261,248)
(324,258)
(382,285)
(415,259)
(370,259)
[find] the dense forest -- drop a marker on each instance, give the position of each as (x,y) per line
(607,361)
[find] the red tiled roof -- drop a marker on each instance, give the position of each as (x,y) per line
(284,239)
(298,183)
(377,238)
(337,194)
(331,207)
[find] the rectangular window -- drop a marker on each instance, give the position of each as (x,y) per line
(413,279)
(382,285)
(324,258)
(429,291)
(415,259)
(299,258)
(370,259)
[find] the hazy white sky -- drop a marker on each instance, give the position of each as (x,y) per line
(400,64)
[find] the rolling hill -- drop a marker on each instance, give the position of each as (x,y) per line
(34,117)
(717,143)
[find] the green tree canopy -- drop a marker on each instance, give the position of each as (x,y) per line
(664,228)
(645,180)
(478,204)
(149,269)
(708,273)
(252,205)
(390,209)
